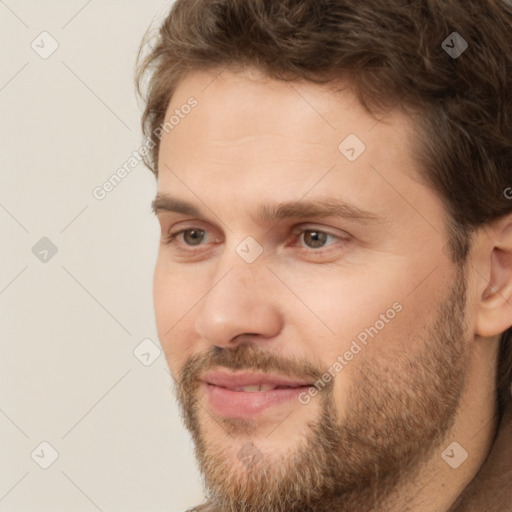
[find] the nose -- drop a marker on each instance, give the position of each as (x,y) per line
(239,304)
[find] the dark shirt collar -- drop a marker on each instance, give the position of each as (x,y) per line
(491,488)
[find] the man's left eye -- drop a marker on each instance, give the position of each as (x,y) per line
(315,239)
(312,238)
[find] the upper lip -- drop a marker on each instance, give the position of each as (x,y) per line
(240,380)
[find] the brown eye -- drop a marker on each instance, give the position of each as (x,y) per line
(315,239)
(193,236)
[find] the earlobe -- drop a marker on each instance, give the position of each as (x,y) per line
(495,308)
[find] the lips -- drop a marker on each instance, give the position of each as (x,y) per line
(247,395)
(252,382)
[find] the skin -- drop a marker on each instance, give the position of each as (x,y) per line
(298,306)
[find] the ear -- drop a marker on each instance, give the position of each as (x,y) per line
(495,305)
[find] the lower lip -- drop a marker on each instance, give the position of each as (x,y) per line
(244,404)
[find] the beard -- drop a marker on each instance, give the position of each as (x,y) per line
(397,413)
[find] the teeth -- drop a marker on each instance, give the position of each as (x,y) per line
(260,387)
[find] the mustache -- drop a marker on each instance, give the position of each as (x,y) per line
(245,356)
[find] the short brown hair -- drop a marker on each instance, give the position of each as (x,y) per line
(391,53)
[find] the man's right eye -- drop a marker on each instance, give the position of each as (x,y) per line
(191,236)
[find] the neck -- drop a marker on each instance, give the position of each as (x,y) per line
(444,476)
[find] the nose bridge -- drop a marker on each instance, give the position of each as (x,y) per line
(236,284)
(244,265)
(237,301)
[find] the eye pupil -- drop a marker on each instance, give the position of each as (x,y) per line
(317,238)
(196,235)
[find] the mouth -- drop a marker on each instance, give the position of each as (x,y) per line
(245,395)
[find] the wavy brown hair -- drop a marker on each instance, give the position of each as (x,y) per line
(391,54)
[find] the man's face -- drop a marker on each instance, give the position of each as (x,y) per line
(363,300)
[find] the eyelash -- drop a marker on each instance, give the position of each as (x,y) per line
(170,239)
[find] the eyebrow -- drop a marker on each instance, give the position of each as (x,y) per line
(270,212)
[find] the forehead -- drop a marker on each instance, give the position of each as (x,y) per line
(262,137)
(246,103)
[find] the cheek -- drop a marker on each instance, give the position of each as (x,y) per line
(174,297)
(365,314)
(342,303)
(175,291)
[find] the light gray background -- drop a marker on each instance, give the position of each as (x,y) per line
(69,325)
